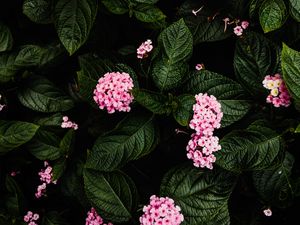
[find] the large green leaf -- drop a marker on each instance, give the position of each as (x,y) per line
(133,138)
(228,92)
(153,101)
(73,21)
(148,13)
(15,199)
(272,15)
(295,9)
(255,148)
(38,11)
(290,63)
(114,194)
(184,109)
(42,95)
(15,133)
(116,6)
(201,195)
(274,185)
(254,58)
(51,120)
(6,39)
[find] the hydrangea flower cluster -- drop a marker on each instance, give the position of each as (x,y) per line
(199,66)
(45,176)
(279,95)
(113,92)
(239,26)
(161,211)
(1,106)
(94,219)
(68,124)
(31,218)
(144,48)
(207,117)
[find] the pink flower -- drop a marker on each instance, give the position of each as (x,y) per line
(45,176)
(238,30)
(93,218)
(245,24)
(144,48)
(113,92)
(68,124)
(268,212)
(199,67)
(30,218)
(161,210)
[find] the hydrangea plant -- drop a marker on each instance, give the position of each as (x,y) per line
(148,112)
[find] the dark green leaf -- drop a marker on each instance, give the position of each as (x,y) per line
(53,120)
(67,142)
(184,109)
(6,39)
(255,148)
(290,63)
(153,101)
(254,58)
(147,1)
(295,9)
(133,138)
(254,7)
(58,168)
(42,95)
(15,200)
(114,194)
(148,13)
(116,6)
(14,134)
(73,21)
(38,11)
(274,185)
(53,218)
(202,195)
(272,15)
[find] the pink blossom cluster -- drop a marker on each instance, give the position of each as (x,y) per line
(113,92)
(1,106)
(45,176)
(68,124)
(144,48)
(31,218)
(239,29)
(199,66)
(207,117)
(279,95)
(94,219)
(161,211)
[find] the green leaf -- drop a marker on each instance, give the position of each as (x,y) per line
(45,146)
(254,58)
(133,138)
(38,11)
(53,218)
(201,195)
(73,21)
(148,13)
(177,41)
(67,142)
(184,110)
(6,39)
(228,92)
(254,7)
(114,194)
(168,75)
(14,134)
(274,185)
(147,1)
(15,199)
(118,7)
(295,9)
(255,148)
(41,95)
(52,120)
(272,15)
(290,63)
(58,168)
(153,101)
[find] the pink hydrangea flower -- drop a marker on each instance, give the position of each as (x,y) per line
(68,124)
(238,30)
(30,218)
(161,210)
(199,67)
(113,92)
(94,219)
(244,24)
(268,212)
(279,95)
(1,105)
(46,177)
(144,48)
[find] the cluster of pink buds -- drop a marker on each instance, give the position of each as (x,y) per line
(207,117)
(66,123)
(161,211)
(113,92)
(1,105)
(31,218)
(279,95)
(199,66)
(144,49)
(46,177)
(94,219)
(239,26)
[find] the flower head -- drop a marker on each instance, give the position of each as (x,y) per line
(30,218)
(245,24)
(268,212)
(144,48)
(46,176)
(113,92)
(161,210)
(68,124)
(94,219)
(238,30)
(199,67)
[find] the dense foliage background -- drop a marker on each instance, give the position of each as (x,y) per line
(52,52)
